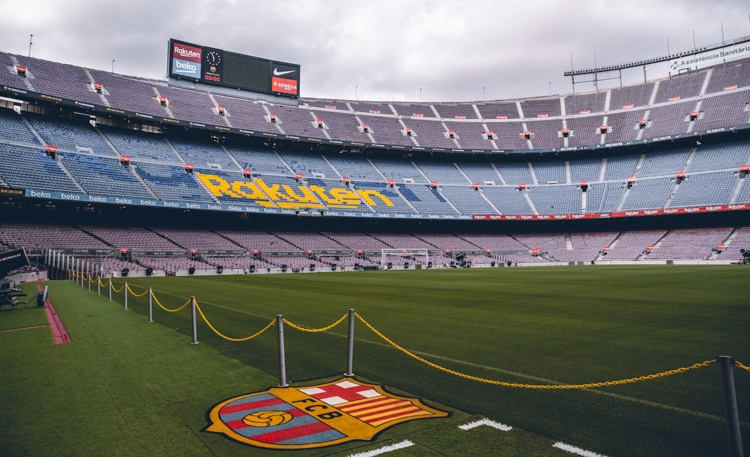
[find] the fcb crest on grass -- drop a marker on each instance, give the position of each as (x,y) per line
(314,416)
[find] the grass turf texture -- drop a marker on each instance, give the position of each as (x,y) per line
(571,324)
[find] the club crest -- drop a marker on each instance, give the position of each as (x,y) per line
(314,416)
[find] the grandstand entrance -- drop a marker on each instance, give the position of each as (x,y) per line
(404,259)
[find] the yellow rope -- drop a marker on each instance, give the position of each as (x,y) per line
(270,324)
(103,284)
(169,310)
(314,330)
(532,386)
(741,365)
(134,294)
(116,290)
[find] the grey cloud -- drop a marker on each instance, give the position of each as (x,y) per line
(388,49)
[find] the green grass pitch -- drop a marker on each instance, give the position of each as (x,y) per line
(127,387)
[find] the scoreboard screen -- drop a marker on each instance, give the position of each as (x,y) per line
(217,67)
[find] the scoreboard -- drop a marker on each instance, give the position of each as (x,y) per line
(217,67)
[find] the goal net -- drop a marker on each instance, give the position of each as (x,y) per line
(404,256)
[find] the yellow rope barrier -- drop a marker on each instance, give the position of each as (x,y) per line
(314,330)
(169,310)
(134,294)
(741,365)
(116,290)
(270,324)
(532,386)
(103,284)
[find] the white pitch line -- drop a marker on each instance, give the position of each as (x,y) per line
(384,449)
(487,422)
(576,450)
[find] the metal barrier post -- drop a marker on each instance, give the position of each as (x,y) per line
(350,348)
(282,355)
(110,289)
(730,404)
(125,292)
(98,286)
(150,305)
(89,282)
(195,322)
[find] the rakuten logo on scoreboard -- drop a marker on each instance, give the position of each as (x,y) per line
(186,60)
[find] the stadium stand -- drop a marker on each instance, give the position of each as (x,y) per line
(104,176)
(85,157)
(13,129)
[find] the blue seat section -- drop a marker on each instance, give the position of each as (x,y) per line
(425,199)
(648,194)
(467,200)
(442,172)
(327,185)
(508,200)
(584,170)
(664,163)
(13,128)
(70,135)
(355,168)
(556,199)
(480,172)
(550,172)
(720,156)
(604,198)
(201,154)
(621,167)
(104,176)
(515,173)
(30,167)
(705,189)
(141,145)
(397,170)
(171,182)
(307,164)
(399,204)
(259,161)
(743,196)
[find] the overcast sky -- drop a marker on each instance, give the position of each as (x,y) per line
(380,49)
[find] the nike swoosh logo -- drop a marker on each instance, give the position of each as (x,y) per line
(276,72)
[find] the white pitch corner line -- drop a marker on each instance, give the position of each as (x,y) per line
(487,422)
(576,450)
(384,449)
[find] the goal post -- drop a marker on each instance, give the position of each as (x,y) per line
(385,254)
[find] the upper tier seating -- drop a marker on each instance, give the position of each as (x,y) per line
(724,104)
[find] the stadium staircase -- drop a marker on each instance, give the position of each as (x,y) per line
(166,107)
(69,175)
(531,203)
(225,118)
(736,190)
(644,255)
(91,79)
(706,81)
(726,242)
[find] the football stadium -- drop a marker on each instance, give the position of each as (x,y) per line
(214,264)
